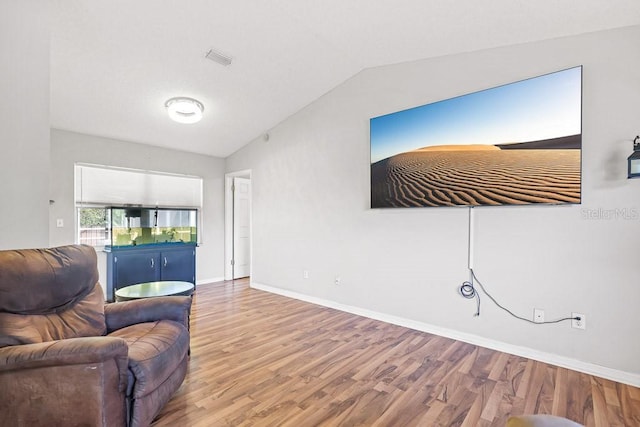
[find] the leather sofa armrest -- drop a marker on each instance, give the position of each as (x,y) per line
(72,351)
(121,314)
(76,381)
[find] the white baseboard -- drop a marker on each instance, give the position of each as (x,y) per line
(553,359)
(207,281)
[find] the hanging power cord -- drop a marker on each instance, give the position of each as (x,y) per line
(468,290)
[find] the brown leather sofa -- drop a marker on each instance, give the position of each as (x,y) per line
(67,359)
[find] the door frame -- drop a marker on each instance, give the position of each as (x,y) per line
(228,222)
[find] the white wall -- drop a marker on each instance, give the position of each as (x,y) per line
(24,124)
(311,198)
(68,148)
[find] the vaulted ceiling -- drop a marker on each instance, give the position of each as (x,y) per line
(115,63)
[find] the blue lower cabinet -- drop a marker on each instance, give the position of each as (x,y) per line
(130,265)
(178,265)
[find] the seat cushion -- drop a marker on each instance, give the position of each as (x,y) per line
(155,351)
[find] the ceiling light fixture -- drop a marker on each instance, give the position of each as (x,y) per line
(184,110)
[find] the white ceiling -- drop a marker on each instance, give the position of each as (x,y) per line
(114,63)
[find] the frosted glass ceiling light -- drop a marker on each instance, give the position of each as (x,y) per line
(184,110)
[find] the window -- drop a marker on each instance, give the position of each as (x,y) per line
(110,186)
(93,226)
(99,187)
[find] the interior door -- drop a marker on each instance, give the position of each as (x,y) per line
(241,227)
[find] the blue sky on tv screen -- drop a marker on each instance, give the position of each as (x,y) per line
(539,108)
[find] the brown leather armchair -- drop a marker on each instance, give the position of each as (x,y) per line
(66,359)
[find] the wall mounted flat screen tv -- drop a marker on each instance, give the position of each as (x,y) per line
(517,144)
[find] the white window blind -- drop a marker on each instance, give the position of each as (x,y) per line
(107,186)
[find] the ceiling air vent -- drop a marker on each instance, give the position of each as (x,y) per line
(218,57)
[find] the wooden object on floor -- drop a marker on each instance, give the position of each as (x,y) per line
(260,359)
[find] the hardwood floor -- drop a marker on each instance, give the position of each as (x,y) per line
(259,359)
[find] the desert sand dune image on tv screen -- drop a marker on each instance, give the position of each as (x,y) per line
(476,175)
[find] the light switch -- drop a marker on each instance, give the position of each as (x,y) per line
(59,222)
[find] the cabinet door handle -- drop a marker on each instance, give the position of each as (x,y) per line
(165,261)
(152,263)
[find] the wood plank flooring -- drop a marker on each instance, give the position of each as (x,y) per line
(259,359)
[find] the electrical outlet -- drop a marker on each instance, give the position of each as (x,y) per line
(305,274)
(578,324)
(538,315)
(337,280)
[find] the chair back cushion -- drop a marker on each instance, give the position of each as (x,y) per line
(50,294)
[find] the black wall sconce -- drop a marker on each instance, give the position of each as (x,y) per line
(634,159)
